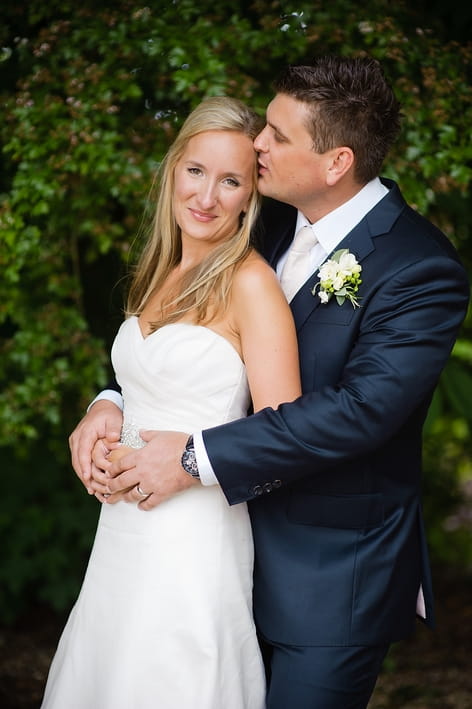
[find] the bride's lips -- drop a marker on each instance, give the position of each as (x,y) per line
(201,216)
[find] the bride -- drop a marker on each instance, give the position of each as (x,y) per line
(164,615)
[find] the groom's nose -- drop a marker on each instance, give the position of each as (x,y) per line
(260,141)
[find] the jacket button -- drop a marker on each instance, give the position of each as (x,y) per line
(276,483)
(267,487)
(257,490)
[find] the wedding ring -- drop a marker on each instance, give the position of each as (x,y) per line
(141,492)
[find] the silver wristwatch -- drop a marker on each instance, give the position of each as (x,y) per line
(189,459)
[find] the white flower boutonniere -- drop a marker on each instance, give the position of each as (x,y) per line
(339,276)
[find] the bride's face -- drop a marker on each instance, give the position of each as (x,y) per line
(213,185)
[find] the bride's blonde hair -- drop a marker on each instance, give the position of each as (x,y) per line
(211,279)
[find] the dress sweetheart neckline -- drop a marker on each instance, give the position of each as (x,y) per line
(186,324)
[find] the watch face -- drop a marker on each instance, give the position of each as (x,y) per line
(189,460)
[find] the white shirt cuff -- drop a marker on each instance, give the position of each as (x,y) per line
(110,395)
(205,470)
(420,604)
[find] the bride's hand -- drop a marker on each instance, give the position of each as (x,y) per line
(118,453)
(103,458)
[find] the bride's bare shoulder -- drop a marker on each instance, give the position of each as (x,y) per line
(254,269)
(255,280)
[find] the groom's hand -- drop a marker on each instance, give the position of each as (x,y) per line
(156,468)
(101,423)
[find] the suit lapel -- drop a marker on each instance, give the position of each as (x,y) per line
(278,247)
(281,246)
(359,241)
(278,222)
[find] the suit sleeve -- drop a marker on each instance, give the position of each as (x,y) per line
(407,330)
(113,385)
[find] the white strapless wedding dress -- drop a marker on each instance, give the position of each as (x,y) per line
(164,616)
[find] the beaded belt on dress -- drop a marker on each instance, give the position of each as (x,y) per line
(130,435)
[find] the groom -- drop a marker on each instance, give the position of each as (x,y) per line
(332,479)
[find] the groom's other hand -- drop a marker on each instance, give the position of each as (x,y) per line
(101,423)
(156,468)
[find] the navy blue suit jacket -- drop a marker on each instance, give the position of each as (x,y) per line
(333,479)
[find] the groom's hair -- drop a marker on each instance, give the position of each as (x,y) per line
(350,104)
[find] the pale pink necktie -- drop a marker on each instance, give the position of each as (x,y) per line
(296,268)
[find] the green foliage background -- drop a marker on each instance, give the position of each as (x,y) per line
(90,97)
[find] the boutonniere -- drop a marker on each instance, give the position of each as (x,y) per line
(339,276)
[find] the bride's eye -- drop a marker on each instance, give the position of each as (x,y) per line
(231,181)
(194,170)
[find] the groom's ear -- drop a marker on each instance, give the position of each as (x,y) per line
(341,160)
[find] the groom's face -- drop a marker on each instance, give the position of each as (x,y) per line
(289,168)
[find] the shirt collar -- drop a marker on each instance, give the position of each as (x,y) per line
(331,229)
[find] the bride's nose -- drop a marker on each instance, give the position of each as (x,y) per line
(208,195)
